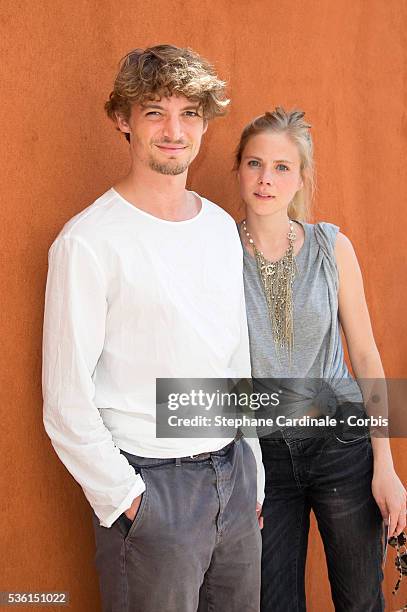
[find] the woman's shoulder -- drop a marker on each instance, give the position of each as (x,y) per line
(325,234)
(322,227)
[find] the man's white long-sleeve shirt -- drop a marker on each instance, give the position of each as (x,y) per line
(131,298)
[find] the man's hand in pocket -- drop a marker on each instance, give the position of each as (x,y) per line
(132,511)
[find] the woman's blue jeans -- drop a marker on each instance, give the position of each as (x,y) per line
(332,476)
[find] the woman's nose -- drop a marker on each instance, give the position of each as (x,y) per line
(265,179)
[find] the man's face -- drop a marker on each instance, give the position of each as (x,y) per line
(165,134)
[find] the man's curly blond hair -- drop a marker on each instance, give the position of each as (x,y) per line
(161,71)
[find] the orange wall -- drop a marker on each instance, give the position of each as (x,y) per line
(342,61)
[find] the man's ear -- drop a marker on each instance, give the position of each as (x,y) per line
(122,124)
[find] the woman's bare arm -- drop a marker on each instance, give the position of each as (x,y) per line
(387,489)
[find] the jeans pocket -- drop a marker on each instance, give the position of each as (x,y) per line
(350,437)
(132,525)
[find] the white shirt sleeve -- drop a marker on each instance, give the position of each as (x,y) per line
(255,446)
(74,331)
(241,368)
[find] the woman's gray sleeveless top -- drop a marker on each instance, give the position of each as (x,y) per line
(318,375)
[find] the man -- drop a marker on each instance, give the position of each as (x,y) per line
(146,283)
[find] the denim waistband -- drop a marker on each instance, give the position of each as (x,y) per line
(155,461)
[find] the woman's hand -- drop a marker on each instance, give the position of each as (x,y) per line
(390,496)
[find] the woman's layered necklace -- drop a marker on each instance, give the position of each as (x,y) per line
(277,280)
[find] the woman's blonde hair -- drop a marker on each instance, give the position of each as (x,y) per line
(291,123)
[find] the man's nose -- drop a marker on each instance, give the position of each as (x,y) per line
(173,128)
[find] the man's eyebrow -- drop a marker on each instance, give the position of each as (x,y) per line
(152,105)
(191,106)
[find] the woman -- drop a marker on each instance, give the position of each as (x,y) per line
(301,282)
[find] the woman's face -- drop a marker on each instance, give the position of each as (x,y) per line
(269,173)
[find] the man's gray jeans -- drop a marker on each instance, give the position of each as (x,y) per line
(194,545)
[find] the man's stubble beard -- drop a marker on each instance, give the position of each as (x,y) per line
(171,167)
(167,168)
